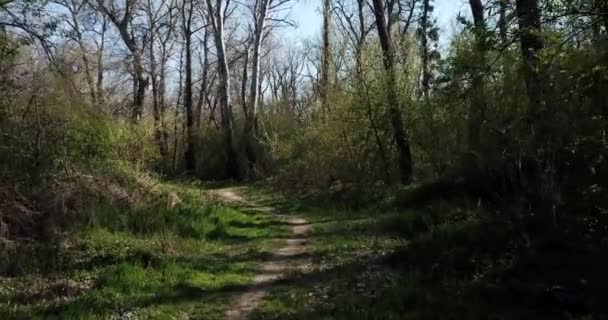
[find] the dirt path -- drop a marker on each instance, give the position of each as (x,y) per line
(283,261)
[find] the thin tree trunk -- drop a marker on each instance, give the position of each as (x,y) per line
(155,102)
(426,74)
(502,22)
(100,66)
(176,114)
(399,134)
(476,114)
(364,90)
(326,62)
(190,152)
(204,82)
(251,113)
(85,60)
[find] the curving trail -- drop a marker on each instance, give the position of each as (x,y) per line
(283,261)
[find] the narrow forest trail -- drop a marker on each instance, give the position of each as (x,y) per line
(283,261)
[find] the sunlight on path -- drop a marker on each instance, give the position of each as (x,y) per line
(284,260)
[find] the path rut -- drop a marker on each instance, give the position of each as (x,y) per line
(283,261)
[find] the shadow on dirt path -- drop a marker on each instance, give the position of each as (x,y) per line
(283,261)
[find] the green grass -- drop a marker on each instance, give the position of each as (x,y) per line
(376,259)
(437,260)
(152,262)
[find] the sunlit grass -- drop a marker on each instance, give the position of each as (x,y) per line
(152,262)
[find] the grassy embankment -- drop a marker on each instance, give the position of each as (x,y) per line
(150,261)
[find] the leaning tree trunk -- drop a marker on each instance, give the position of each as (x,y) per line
(399,134)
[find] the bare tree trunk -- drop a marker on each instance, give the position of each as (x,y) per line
(100,67)
(502,22)
(528,13)
(326,62)
(158,134)
(244,78)
(424,26)
(216,15)
(478,103)
(190,152)
(399,134)
(165,52)
(155,96)
(251,113)
(162,105)
(123,26)
(85,60)
(176,114)
(204,82)
(362,88)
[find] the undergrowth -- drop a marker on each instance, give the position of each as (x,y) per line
(411,253)
(146,261)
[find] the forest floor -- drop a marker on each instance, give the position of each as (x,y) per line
(250,252)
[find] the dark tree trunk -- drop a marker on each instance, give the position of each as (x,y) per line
(190,152)
(502,22)
(400,136)
(364,90)
(424,25)
(528,14)
(476,114)
(326,60)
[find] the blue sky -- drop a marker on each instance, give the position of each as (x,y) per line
(307,15)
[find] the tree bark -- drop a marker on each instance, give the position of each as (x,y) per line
(364,90)
(156,112)
(502,22)
(399,134)
(531,42)
(100,68)
(122,25)
(216,15)
(426,74)
(177,107)
(190,152)
(204,82)
(251,112)
(478,103)
(326,62)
